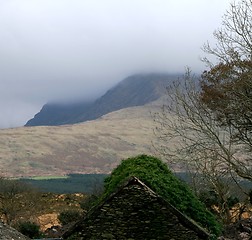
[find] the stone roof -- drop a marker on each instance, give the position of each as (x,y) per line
(9,233)
(134,211)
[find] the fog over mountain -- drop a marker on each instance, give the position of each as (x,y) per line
(78,49)
(136,90)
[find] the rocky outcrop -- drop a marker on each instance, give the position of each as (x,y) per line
(48,220)
(9,233)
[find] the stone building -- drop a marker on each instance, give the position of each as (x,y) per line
(136,212)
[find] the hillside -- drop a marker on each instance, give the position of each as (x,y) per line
(91,147)
(136,90)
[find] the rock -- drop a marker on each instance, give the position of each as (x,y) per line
(9,233)
(244,236)
(245,227)
(47,221)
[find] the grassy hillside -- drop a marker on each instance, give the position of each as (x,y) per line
(91,147)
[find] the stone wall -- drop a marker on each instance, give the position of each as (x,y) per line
(134,212)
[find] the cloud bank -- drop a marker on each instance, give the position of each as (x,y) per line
(72,49)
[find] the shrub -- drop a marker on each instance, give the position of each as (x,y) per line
(29,229)
(69,216)
(210,198)
(156,175)
(89,202)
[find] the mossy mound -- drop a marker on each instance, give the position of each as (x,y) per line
(156,175)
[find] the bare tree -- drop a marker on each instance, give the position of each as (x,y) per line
(227,86)
(17,199)
(9,192)
(191,138)
(205,124)
(234,39)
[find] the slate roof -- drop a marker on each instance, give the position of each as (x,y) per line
(134,211)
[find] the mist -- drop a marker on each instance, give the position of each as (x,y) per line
(66,50)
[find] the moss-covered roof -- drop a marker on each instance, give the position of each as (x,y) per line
(155,219)
(156,175)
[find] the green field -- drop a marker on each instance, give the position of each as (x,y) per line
(72,183)
(39,178)
(93,183)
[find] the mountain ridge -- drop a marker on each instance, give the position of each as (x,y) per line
(94,146)
(135,90)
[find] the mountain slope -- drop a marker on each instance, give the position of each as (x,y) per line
(135,90)
(58,114)
(92,147)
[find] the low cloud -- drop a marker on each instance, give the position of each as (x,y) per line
(72,49)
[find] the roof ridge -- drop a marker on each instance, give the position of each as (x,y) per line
(135,180)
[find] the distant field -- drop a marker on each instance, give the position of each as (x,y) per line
(39,178)
(72,183)
(93,183)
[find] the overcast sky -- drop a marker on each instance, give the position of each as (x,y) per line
(65,49)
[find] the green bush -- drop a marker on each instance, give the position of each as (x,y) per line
(210,198)
(89,202)
(29,229)
(156,175)
(69,216)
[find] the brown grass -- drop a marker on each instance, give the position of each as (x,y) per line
(90,147)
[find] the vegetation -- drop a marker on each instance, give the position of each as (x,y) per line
(155,174)
(91,147)
(69,216)
(90,201)
(203,146)
(15,198)
(72,183)
(226,88)
(205,125)
(211,200)
(38,178)
(21,206)
(29,229)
